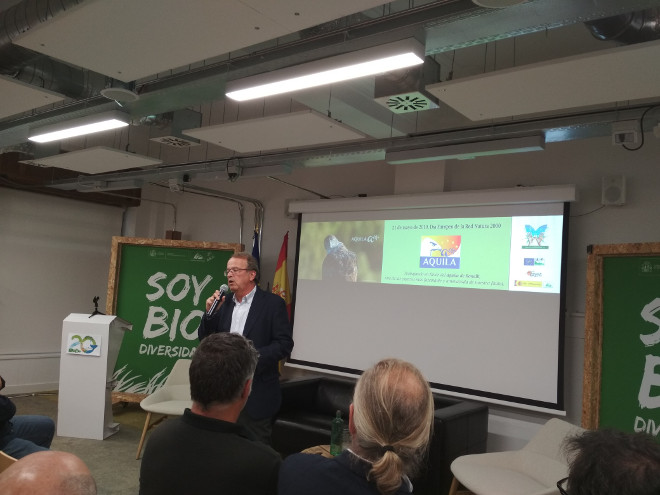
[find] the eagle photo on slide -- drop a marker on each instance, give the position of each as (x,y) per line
(339,263)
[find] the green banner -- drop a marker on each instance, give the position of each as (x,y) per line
(630,380)
(161,290)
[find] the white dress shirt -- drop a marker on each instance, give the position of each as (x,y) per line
(241,310)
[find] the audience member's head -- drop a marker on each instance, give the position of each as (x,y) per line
(47,473)
(221,368)
(391,420)
(610,462)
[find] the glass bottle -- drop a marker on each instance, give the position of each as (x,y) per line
(336,434)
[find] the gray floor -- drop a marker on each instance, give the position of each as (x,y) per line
(111,461)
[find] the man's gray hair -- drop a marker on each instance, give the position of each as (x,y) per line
(220,367)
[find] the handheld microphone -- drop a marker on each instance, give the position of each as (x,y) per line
(223,290)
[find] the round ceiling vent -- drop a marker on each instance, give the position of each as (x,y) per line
(407,103)
(120,95)
(497,4)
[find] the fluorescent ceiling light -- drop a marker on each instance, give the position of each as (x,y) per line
(466,151)
(376,60)
(80,127)
(344,158)
(103,185)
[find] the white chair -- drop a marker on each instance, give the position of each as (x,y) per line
(171,399)
(532,470)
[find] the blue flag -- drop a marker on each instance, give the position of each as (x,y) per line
(255,245)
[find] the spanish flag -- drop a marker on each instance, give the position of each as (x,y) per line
(281,279)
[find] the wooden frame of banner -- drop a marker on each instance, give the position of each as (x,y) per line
(593,322)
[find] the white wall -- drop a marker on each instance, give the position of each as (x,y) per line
(583,163)
(54,258)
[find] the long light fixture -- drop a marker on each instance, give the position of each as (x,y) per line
(375,60)
(80,127)
(467,151)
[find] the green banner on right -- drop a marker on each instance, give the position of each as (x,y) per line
(630,381)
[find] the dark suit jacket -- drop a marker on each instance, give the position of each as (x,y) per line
(346,474)
(268,327)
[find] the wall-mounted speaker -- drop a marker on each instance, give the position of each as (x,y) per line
(614,190)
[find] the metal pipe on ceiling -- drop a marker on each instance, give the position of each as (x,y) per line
(258,207)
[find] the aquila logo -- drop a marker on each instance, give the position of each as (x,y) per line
(440,251)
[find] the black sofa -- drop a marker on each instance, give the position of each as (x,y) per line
(309,404)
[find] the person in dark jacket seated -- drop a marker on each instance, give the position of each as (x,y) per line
(205,451)
(23,434)
(390,423)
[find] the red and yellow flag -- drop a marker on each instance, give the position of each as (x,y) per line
(281,279)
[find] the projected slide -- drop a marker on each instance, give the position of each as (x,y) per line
(520,253)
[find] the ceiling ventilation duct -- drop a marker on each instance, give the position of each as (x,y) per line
(633,27)
(32,151)
(31,67)
(181,119)
(403,91)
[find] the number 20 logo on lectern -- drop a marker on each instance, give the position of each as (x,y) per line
(84,346)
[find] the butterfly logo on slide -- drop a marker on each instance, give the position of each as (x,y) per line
(535,235)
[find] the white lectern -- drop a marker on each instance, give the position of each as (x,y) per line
(90,346)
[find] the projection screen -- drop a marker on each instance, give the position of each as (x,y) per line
(468,286)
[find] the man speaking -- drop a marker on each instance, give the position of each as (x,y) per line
(262,318)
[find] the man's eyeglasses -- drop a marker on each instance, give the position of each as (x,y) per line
(234,270)
(561,484)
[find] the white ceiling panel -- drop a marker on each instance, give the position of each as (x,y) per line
(296,15)
(624,73)
(292,130)
(19,97)
(96,160)
(129,40)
